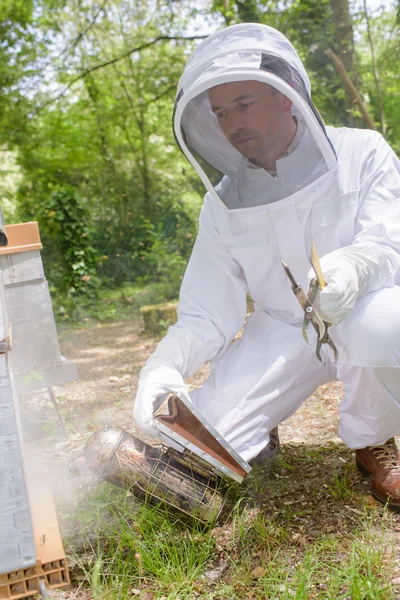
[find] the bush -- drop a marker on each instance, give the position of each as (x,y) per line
(87,250)
(145,250)
(69,257)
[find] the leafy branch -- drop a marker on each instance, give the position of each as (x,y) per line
(84,31)
(112,61)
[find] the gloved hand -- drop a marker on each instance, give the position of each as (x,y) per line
(156,381)
(351,272)
(337,299)
(180,354)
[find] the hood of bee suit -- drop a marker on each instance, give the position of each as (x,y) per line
(241,53)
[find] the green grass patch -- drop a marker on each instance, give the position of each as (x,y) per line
(118,304)
(138,546)
(303,529)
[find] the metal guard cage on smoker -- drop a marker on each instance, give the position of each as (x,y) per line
(187,477)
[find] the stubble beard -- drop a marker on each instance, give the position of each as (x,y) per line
(261,145)
(258,148)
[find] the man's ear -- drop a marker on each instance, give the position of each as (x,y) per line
(286,104)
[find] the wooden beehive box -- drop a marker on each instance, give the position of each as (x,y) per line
(34,336)
(31,550)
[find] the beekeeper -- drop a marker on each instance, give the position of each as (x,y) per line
(276,177)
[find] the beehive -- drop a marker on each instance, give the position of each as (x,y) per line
(36,359)
(31,552)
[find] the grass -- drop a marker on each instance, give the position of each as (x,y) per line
(122,303)
(119,304)
(305,529)
(136,548)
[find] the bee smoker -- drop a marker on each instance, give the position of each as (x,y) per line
(187,474)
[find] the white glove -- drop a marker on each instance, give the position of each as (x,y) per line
(180,354)
(337,299)
(351,272)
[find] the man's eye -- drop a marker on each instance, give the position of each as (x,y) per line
(221,115)
(245,105)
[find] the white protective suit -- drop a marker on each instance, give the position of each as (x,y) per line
(340,186)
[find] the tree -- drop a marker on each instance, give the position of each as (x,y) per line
(344,48)
(87,96)
(103,129)
(17,54)
(309,25)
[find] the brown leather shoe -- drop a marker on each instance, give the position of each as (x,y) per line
(271,450)
(382,465)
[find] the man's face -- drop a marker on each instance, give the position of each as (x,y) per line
(252,115)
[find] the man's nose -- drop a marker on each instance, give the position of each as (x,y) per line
(236,122)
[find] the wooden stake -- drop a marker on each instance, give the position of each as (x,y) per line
(350,88)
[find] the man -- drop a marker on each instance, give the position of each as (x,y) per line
(244,117)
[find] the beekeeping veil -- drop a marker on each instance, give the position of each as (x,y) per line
(241,53)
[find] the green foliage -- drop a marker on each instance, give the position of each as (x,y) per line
(68,253)
(16,11)
(147,250)
(86,119)
(16,55)
(136,546)
(309,26)
(285,543)
(385,34)
(111,141)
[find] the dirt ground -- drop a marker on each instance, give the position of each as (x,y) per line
(109,358)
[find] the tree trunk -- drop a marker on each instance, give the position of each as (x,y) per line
(344,45)
(375,72)
(343,33)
